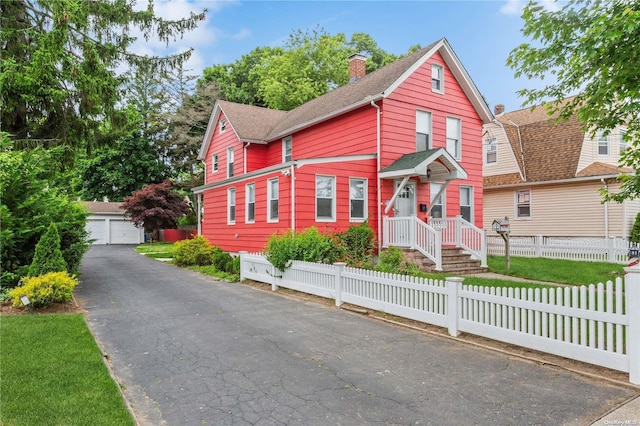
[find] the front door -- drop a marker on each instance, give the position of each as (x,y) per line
(406,200)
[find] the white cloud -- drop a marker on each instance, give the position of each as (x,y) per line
(514,7)
(242,34)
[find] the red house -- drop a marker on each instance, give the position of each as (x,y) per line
(400,147)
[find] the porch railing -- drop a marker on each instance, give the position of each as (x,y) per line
(428,238)
(457,231)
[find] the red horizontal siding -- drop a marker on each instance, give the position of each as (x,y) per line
(220,142)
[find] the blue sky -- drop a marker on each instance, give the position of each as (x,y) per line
(482,33)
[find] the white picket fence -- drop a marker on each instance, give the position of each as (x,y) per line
(613,250)
(597,324)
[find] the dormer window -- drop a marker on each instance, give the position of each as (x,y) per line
(437,78)
(623,141)
(223,125)
(603,144)
(287,145)
(492,150)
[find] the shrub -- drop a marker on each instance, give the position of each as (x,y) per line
(54,287)
(635,231)
(48,257)
(359,243)
(194,251)
(309,245)
(221,259)
(392,261)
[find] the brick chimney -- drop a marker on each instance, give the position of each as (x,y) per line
(498,109)
(357,67)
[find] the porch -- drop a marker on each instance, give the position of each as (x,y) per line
(435,238)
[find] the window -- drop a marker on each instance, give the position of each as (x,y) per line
(603,144)
(423,130)
(492,150)
(250,195)
(466,203)
(286,149)
(453,137)
(223,125)
(437,78)
(272,196)
(622,143)
(523,203)
(231,204)
(325,198)
(357,199)
(438,205)
(214,163)
(230,159)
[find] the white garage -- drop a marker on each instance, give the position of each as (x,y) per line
(107,224)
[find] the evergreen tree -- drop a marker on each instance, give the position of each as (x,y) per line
(48,256)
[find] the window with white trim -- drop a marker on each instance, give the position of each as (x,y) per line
(438,209)
(357,199)
(603,143)
(466,203)
(273,197)
(622,142)
(423,130)
(231,206)
(491,147)
(287,144)
(325,198)
(250,210)
(437,78)
(223,125)
(214,163)
(230,160)
(523,203)
(453,137)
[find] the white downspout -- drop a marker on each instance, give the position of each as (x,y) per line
(199,212)
(379,192)
(606,210)
(244,157)
(293,198)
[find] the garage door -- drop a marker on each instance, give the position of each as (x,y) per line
(97,230)
(124,232)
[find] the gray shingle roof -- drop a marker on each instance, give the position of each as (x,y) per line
(409,161)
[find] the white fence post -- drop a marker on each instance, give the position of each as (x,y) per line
(458,231)
(339,268)
(611,249)
(454,284)
(483,249)
(539,240)
(274,278)
(242,254)
(632,298)
(412,231)
(438,250)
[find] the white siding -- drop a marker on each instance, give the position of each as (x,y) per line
(589,152)
(506,161)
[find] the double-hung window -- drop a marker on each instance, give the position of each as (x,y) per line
(230,160)
(250,194)
(272,196)
(603,144)
(423,130)
(214,163)
(453,137)
(523,203)
(357,199)
(622,143)
(466,203)
(325,198)
(223,125)
(437,78)
(491,150)
(438,204)
(287,144)
(231,206)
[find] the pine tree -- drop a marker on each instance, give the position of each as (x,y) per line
(48,256)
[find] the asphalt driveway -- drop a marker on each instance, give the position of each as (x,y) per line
(189,350)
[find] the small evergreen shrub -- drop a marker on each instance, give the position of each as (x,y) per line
(635,231)
(359,243)
(194,251)
(392,261)
(235,266)
(221,259)
(308,245)
(48,256)
(53,287)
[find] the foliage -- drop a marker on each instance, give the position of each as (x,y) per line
(194,251)
(48,257)
(635,231)
(308,245)
(54,373)
(43,290)
(118,170)
(223,261)
(32,195)
(590,47)
(155,207)
(214,272)
(59,57)
(359,242)
(392,261)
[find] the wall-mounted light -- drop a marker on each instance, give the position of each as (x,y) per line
(428,173)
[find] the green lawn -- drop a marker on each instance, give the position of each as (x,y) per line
(53,374)
(156,250)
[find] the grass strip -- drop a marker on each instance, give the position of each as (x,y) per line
(53,374)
